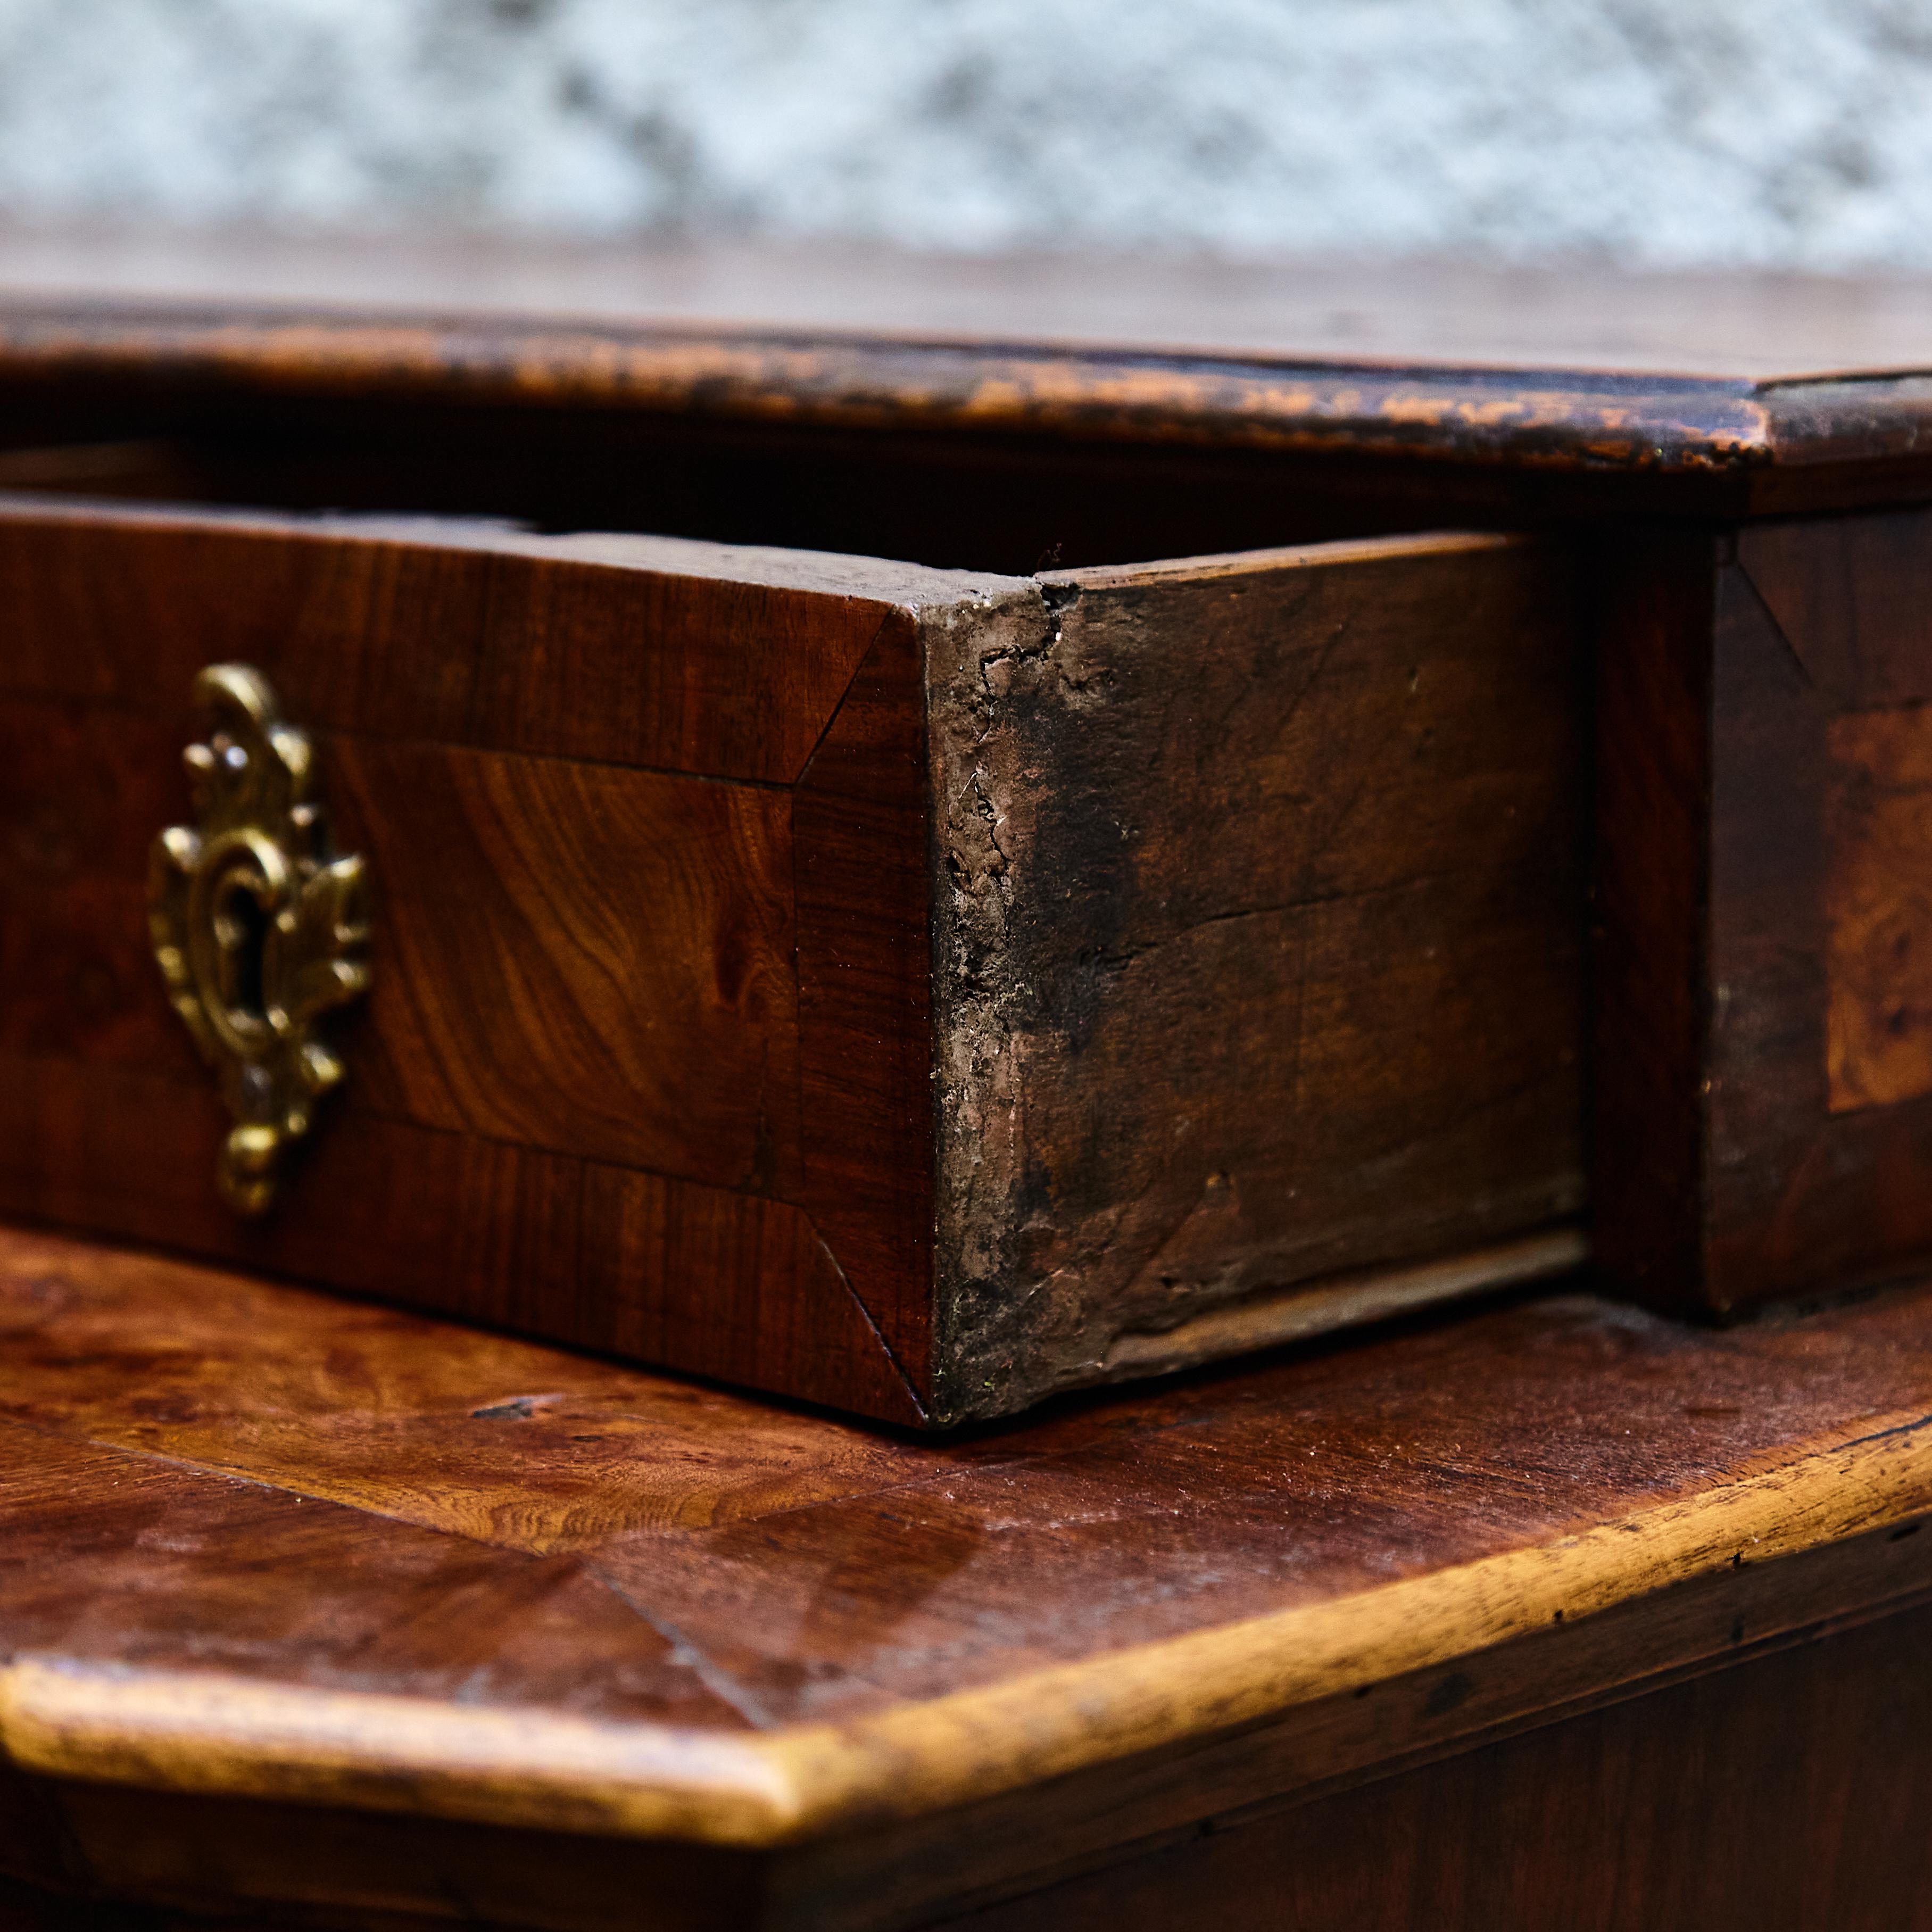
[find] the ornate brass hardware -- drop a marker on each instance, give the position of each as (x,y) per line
(258,930)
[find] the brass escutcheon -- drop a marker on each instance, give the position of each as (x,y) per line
(258,930)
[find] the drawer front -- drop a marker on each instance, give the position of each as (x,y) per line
(616,937)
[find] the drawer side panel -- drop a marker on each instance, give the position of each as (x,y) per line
(1267,926)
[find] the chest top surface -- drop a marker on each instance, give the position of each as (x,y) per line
(1798,391)
(258,1540)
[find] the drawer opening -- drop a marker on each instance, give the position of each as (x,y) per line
(1012,505)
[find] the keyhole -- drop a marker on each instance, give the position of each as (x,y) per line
(241,933)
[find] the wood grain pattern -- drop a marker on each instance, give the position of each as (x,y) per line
(721,1283)
(1778,1797)
(1848,595)
(1789,684)
(629,651)
(322,1612)
(1262,960)
(81,799)
(684,671)
(1879,908)
(579,957)
(210,1854)
(578,1089)
(895,1627)
(582,959)
(1214,910)
(1026,1842)
(1768,1099)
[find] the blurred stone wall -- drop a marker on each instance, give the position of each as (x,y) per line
(1782,132)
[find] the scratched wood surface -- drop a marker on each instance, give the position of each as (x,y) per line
(1218,841)
(808,1570)
(264,1544)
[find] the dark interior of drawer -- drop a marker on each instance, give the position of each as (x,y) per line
(1004,503)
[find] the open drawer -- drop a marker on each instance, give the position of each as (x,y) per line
(914,990)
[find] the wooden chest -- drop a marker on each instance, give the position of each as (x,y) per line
(1156,922)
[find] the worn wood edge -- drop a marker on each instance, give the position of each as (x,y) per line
(199,1732)
(1369,1294)
(1568,418)
(215,1733)
(976,1743)
(890,1877)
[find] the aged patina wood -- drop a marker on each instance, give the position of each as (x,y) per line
(998,414)
(1411,1020)
(1217,835)
(664,840)
(1763,914)
(298,1595)
(1730,392)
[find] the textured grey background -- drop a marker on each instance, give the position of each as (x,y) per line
(1778,132)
